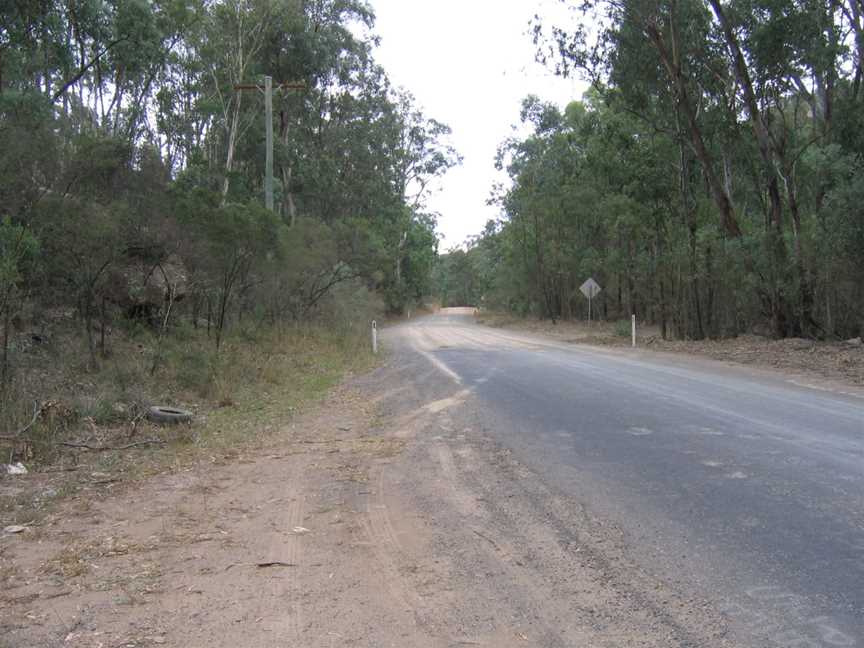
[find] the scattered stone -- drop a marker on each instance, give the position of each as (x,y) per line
(15,469)
(14,528)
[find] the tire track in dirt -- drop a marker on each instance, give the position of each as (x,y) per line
(488,551)
(281,597)
(493,516)
(578,568)
(509,562)
(388,551)
(464,503)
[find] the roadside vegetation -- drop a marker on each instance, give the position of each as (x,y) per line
(93,432)
(711,179)
(138,264)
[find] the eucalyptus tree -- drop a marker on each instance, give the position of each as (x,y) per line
(754,95)
(18,248)
(124,143)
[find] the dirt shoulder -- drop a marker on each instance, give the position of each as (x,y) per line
(207,554)
(841,363)
(388,516)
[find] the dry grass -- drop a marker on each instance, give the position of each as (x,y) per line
(245,395)
(77,558)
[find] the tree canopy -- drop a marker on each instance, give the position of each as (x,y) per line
(710,179)
(132,166)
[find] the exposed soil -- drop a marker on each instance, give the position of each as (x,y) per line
(835,361)
(388,517)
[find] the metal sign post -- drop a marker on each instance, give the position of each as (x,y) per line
(590,289)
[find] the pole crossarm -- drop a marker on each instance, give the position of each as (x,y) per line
(267,88)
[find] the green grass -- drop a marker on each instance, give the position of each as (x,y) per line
(623,328)
(243,396)
(259,385)
(250,387)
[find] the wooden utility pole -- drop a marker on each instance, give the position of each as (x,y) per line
(268,128)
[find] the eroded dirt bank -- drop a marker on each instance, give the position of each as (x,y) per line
(390,517)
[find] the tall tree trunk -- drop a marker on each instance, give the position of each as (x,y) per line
(684,104)
(287,173)
(88,329)
(4,370)
(709,297)
(663,317)
(290,206)
(658,274)
(542,284)
(806,322)
(694,316)
(400,247)
(697,332)
(209,312)
(103,324)
(855,14)
(768,151)
(232,143)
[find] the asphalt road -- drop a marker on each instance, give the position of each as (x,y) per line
(737,486)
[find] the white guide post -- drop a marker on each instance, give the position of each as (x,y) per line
(633,329)
(374,337)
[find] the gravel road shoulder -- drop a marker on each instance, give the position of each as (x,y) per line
(388,517)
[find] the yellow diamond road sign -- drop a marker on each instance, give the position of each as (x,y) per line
(590,288)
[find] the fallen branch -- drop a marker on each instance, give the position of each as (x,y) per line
(87,446)
(19,433)
(275,563)
(488,539)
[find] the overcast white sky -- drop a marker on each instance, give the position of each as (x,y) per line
(469,63)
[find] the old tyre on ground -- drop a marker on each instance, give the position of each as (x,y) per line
(167,415)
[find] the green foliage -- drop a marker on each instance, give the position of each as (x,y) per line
(137,264)
(709,178)
(18,248)
(623,328)
(456,279)
(135,168)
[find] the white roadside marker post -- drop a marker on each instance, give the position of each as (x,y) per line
(374,337)
(633,329)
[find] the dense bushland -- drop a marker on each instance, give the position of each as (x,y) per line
(132,186)
(712,179)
